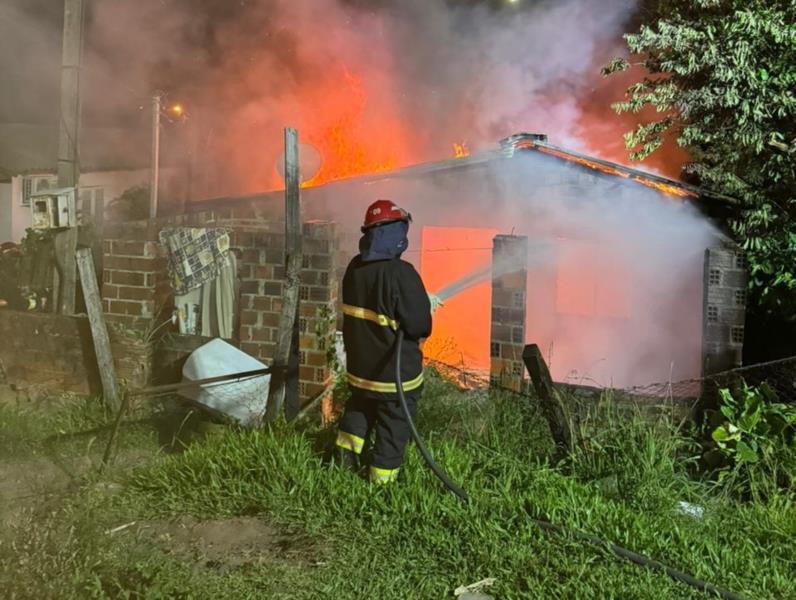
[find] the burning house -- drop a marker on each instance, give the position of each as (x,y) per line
(615,284)
(619,275)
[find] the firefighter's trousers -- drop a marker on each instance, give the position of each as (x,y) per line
(381,415)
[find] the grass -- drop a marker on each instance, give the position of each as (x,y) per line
(23,432)
(414,540)
(69,426)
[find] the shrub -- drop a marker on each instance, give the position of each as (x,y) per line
(754,443)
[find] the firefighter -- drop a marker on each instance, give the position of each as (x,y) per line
(381,294)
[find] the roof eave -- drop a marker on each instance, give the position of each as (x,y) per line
(637,175)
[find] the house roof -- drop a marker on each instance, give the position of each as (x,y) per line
(518,145)
(33,148)
(527,142)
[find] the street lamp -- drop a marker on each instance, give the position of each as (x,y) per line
(177,112)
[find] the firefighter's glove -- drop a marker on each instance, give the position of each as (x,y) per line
(436,302)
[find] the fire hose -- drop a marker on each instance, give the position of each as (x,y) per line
(543,524)
(442,475)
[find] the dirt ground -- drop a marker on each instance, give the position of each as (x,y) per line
(223,544)
(41,482)
(36,479)
(34,482)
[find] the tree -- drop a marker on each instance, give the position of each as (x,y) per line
(132,205)
(721,76)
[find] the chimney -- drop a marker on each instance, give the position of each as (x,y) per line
(520,140)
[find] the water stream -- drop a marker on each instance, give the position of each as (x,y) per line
(539,253)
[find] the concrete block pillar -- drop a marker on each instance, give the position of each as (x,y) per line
(723,309)
(509,288)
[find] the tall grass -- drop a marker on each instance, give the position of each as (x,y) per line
(415,540)
(23,431)
(421,537)
(637,455)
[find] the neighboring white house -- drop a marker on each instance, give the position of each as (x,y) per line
(6,215)
(94,191)
(112,161)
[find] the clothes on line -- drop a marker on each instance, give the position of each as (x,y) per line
(209,310)
(204,276)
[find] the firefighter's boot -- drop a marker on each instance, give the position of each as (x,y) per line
(342,458)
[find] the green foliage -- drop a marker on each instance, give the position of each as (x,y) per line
(132,205)
(26,273)
(326,334)
(9,277)
(34,239)
(721,78)
(756,439)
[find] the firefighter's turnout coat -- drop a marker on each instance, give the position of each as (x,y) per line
(380,297)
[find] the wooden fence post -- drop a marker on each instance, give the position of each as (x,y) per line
(99,332)
(551,406)
(290,294)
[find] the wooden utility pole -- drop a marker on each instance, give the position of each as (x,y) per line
(290,294)
(99,332)
(154,171)
(68,140)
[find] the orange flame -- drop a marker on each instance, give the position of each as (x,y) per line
(353,136)
(666,188)
(461,150)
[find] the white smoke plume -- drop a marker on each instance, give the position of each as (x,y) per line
(615,268)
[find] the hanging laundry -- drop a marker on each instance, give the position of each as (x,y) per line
(218,302)
(203,275)
(195,255)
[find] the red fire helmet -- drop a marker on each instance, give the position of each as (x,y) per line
(384,211)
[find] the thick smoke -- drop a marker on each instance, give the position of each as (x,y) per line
(615,295)
(371,86)
(30,55)
(614,268)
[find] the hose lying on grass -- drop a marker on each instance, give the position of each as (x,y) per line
(443,477)
(545,525)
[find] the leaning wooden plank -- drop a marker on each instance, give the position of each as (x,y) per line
(99,332)
(290,294)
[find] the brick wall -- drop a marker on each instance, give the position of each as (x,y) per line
(509,287)
(261,269)
(134,282)
(318,308)
(57,353)
(262,273)
(136,286)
